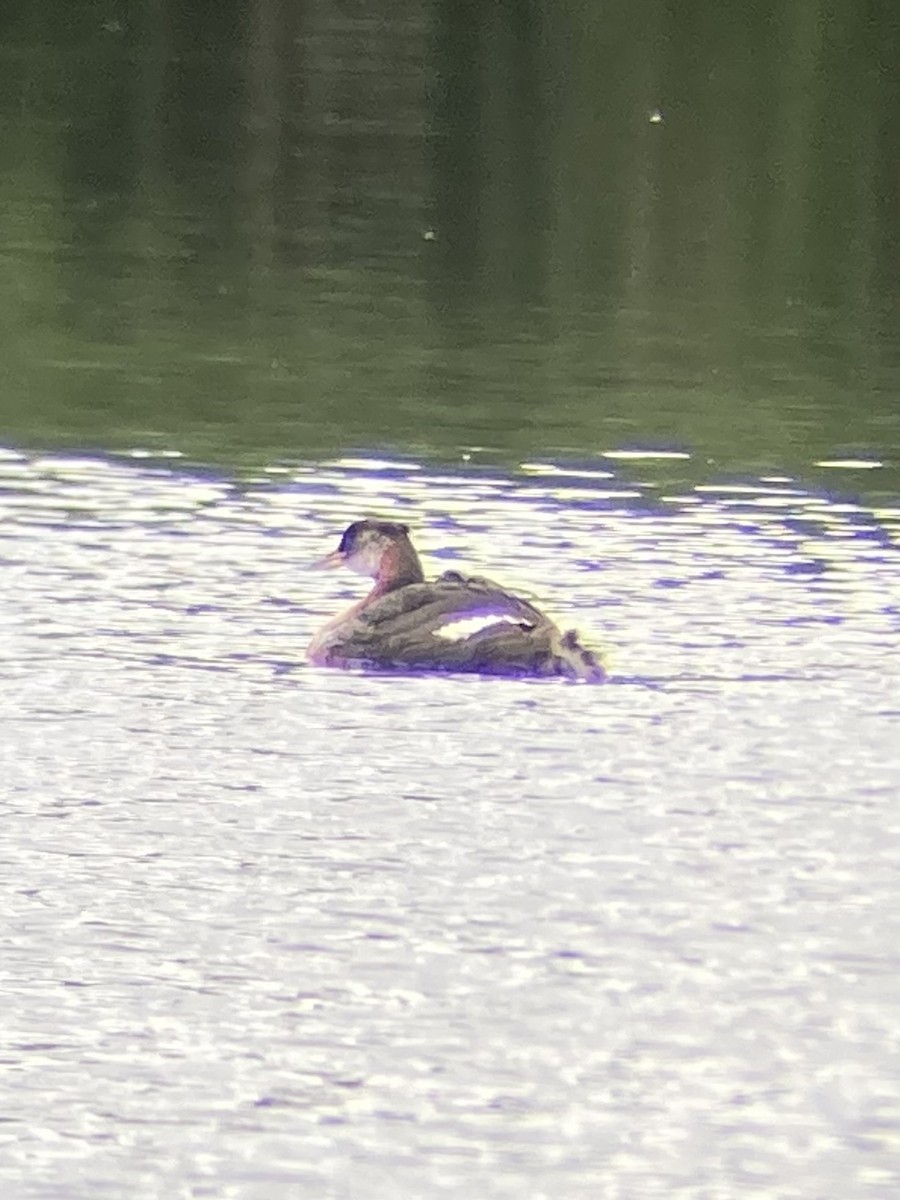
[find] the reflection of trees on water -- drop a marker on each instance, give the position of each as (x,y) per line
(525,129)
(630,199)
(282,127)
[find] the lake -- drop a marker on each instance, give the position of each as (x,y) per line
(605,307)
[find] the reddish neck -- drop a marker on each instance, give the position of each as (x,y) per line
(399,567)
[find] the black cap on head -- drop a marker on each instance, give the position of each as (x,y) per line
(358,529)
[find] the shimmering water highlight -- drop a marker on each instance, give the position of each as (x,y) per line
(279,930)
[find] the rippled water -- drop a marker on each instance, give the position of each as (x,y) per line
(272,930)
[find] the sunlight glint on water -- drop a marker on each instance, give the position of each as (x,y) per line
(452,936)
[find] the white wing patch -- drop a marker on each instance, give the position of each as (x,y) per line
(458,629)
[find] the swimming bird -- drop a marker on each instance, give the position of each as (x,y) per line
(406,623)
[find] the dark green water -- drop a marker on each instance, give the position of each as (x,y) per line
(282,232)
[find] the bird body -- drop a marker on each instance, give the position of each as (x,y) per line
(406,623)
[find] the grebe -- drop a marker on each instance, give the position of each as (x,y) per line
(406,623)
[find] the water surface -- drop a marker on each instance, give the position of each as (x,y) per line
(255,232)
(278,931)
(275,929)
